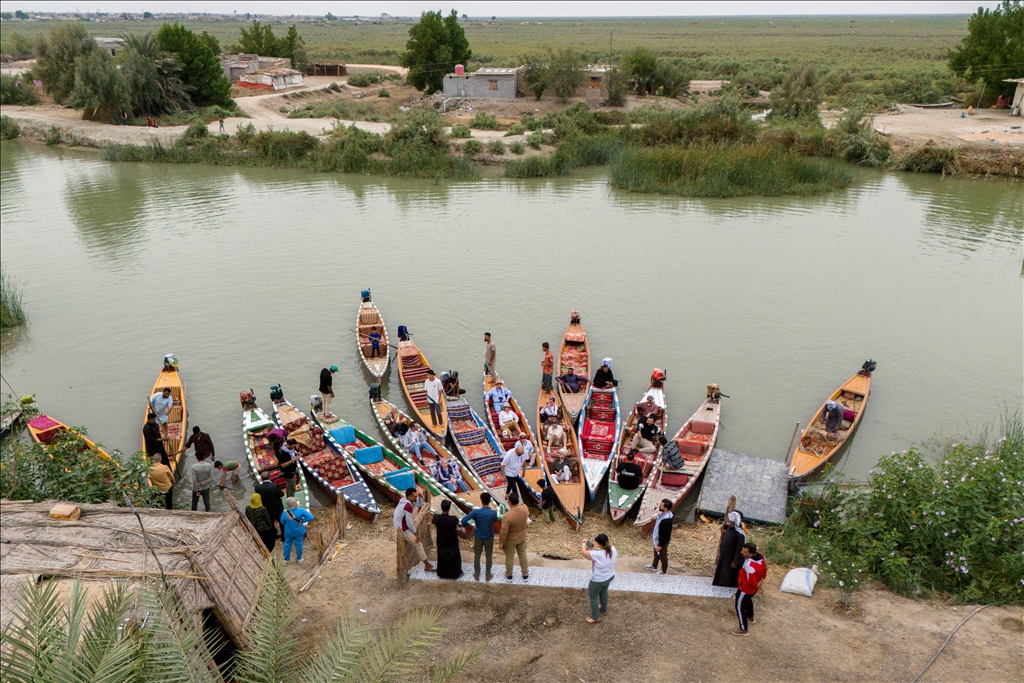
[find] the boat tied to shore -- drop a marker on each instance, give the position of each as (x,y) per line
(560,461)
(622,500)
(413,370)
(259,453)
(507,441)
(177,416)
(574,357)
(476,445)
(598,436)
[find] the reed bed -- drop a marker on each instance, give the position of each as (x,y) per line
(12,309)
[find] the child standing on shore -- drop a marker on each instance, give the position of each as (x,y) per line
(752,573)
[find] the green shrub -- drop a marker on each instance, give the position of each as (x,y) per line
(571,155)
(361,80)
(9,128)
(383,92)
(52,136)
(282,147)
(718,121)
(245,134)
(516,129)
(517,147)
(496,147)
(531,122)
(12,310)
(484,121)
(472,147)
(725,171)
(535,140)
(929,159)
(461,131)
(194,134)
(334,87)
(16,89)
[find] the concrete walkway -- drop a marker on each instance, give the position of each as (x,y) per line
(564,577)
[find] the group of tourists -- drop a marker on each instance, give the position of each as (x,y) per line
(739,566)
(267,514)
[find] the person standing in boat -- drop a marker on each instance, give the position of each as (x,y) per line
(490,354)
(434,389)
(449,559)
(160,404)
(547,367)
(661,536)
(603,556)
(327,390)
(153,438)
(375,337)
(730,552)
(512,464)
(603,378)
(833,416)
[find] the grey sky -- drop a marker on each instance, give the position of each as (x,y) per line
(477,8)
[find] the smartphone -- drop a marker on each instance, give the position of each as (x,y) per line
(590,544)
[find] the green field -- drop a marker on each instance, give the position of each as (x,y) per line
(872,60)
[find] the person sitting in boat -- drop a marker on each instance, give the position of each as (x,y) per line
(647,407)
(396,425)
(603,378)
(530,453)
(549,409)
(498,396)
(671,458)
(572,382)
(415,442)
(629,474)
(449,476)
(508,421)
(450,383)
(561,468)
(555,436)
(375,337)
(644,436)
(832,416)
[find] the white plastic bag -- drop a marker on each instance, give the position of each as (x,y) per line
(800,581)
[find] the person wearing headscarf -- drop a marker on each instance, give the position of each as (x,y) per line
(730,551)
(603,378)
(833,414)
(260,519)
(449,559)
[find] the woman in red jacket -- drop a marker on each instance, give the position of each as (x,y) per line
(752,573)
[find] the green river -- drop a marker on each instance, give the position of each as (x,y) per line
(252,277)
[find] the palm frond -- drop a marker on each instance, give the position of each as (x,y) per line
(175,649)
(447,671)
(339,657)
(108,652)
(271,655)
(34,639)
(399,652)
(74,624)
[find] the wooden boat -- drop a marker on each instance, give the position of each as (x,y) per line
(816,446)
(177,417)
(529,474)
(620,500)
(598,436)
(425,465)
(256,425)
(369,320)
(412,369)
(570,495)
(942,105)
(695,440)
(476,445)
(574,355)
(43,428)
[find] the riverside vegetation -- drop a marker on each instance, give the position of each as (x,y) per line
(12,309)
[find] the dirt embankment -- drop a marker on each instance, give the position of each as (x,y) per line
(539,634)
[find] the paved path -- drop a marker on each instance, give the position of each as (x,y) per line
(631,582)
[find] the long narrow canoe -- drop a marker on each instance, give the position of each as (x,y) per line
(369,320)
(533,474)
(620,500)
(256,425)
(571,494)
(426,465)
(574,355)
(343,440)
(816,446)
(598,437)
(43,428)
(476,445)
(695,440)
(177,417)
(412,369)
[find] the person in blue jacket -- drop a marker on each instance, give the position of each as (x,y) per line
(294,520)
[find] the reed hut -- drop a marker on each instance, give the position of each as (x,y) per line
(214,561)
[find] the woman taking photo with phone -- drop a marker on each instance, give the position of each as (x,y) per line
(602,556)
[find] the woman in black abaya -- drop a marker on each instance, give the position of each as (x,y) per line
(730,552)
(449,560)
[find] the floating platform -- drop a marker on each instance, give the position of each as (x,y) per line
(761,487)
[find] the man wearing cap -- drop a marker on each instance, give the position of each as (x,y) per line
(327,389)
(433,387)
(498,396)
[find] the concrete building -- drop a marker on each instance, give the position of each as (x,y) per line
(497,83)
(111,45)
(1017,103)
(275,78)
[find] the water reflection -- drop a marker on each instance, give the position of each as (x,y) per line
(107,205)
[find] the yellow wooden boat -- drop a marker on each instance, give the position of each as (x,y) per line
(571,495)
(43,428)
(177,418)
(412,368)
(817,446)
(368,321)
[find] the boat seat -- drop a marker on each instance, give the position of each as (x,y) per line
(674,479)
(401,479)
(368,455)
(702,427)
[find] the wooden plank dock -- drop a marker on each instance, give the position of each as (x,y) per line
(761,487)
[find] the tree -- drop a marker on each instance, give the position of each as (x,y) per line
(435,46)
(258,39)
(565,73)
(56,52)
(99,85)
(617,88)
(535,75)
(211,42)
(798,95)
(670,80)
(641,66)
(300,58)
(153,77)
(201,74)
(18,14)
(993,48)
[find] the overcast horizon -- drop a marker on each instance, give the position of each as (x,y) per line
(551,10)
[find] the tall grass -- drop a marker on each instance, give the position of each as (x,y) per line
(12,310)
(9,128)
(725,171)
(719,121)
(929,159)
(575,153)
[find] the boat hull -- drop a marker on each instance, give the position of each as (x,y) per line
(620,500)
(177,419)
(573,354)
(813,451)
(569,495)
(412,370)
(598,424)
(367,319)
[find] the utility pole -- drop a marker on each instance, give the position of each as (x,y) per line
(611,36)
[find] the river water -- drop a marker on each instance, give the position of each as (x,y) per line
(252,277)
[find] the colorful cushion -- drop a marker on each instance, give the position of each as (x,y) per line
(369,455)
(401,479)
(675,479)
(701,427)
(344,435)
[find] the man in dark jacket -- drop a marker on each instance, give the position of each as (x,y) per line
(629,474)
(151,434)
(661,536)
(272,496)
